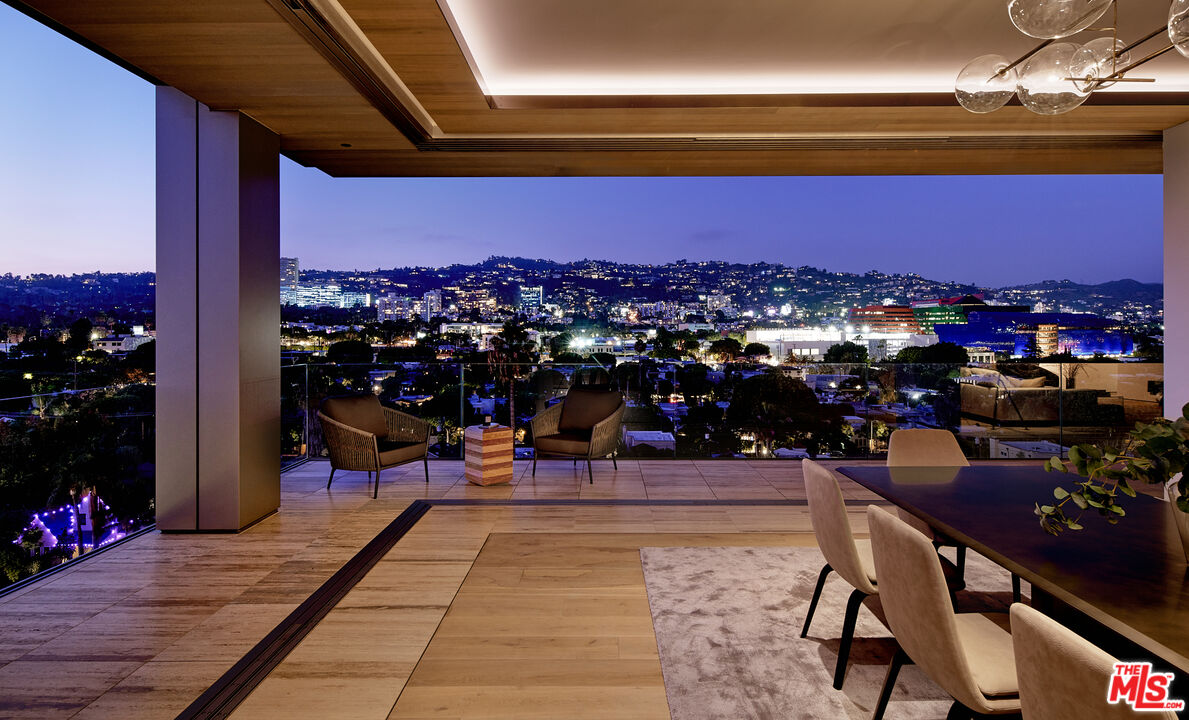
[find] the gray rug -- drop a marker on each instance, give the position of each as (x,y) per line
(728,624)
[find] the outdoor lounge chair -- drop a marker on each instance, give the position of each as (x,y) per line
(362,434)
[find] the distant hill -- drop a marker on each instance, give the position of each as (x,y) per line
(1067,290)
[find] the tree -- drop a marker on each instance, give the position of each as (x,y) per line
(641,346)
(80,335)
(847,352)
(350,352)
(560,343)
(726,349)
(694,380)
(776,409)
(756,349)
(511,352)
(943,353)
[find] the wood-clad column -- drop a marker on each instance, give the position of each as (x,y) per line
(218,317)
(1176,269)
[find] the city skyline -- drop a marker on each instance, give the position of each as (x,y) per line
(78,197)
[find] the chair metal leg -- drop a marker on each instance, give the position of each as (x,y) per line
(331,478)
(376,491)
(590,471)
(426,461)
(613,463)
(848,634)
(534,464)
(889,683)
(817,593)
(575,461)
(1015,588)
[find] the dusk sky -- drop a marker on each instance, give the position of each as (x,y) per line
(76,195)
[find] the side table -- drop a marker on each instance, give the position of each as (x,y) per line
(488,454)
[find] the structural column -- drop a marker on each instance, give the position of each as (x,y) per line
(1176,269)
(218,317)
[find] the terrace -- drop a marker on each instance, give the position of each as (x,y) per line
(260,593)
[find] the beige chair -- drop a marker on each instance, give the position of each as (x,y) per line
(1062,676)
(848,557)
(968,654)
(918,447)
(584,425)
(362,434)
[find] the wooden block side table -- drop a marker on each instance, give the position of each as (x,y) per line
(488,454)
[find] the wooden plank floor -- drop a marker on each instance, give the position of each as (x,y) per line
(141,630)
(547,620)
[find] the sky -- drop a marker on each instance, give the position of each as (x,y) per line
(76,195)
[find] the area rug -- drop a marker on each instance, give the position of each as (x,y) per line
(728,623)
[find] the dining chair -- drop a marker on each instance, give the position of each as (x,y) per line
(921,447)
(845,555)
(1062,676)
(968,654)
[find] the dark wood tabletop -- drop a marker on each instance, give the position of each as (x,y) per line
(1130,577)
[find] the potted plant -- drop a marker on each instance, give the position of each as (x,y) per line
(1154,453)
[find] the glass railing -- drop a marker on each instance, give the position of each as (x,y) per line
(76,474)
(1009,410)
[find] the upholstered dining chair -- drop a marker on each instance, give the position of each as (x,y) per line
(583,426)
(362,434)
(1062,676)
(921,447)
(968,654)
(845,555)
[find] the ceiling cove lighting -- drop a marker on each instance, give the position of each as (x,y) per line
(1056,77)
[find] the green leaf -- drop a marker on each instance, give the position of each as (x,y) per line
(1060,493)
(1046,509)
(1073,525)
(1079,500)
(1126,488)
(1118,510)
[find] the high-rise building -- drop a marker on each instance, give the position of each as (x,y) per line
(395,307)
(717,302)
(531,298)
(431,305)
(290,273)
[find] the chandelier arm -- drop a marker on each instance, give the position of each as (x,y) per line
(1023,57)
(1137,63)
(1144,39)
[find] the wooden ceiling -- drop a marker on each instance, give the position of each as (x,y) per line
(414,107)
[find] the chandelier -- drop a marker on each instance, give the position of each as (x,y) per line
(1056,77)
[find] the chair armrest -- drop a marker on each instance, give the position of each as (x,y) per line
(546,422)
(604,437)
(349,448)
(404,427)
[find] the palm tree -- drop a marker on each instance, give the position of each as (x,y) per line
(511,352)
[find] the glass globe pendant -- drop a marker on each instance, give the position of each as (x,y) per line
(1178,26)
(1098,59)
(984,85)
(1050,19)
(1044,85)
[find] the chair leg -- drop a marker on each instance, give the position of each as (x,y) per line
(848,634)
(961,565)
(575,461)
(376,491)
(330,479)
(589,471)
(613,463)
(889,683)
(1015,588)
(534,464)
(426,461)
(817,593)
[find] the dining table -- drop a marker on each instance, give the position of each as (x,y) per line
(1124,586)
